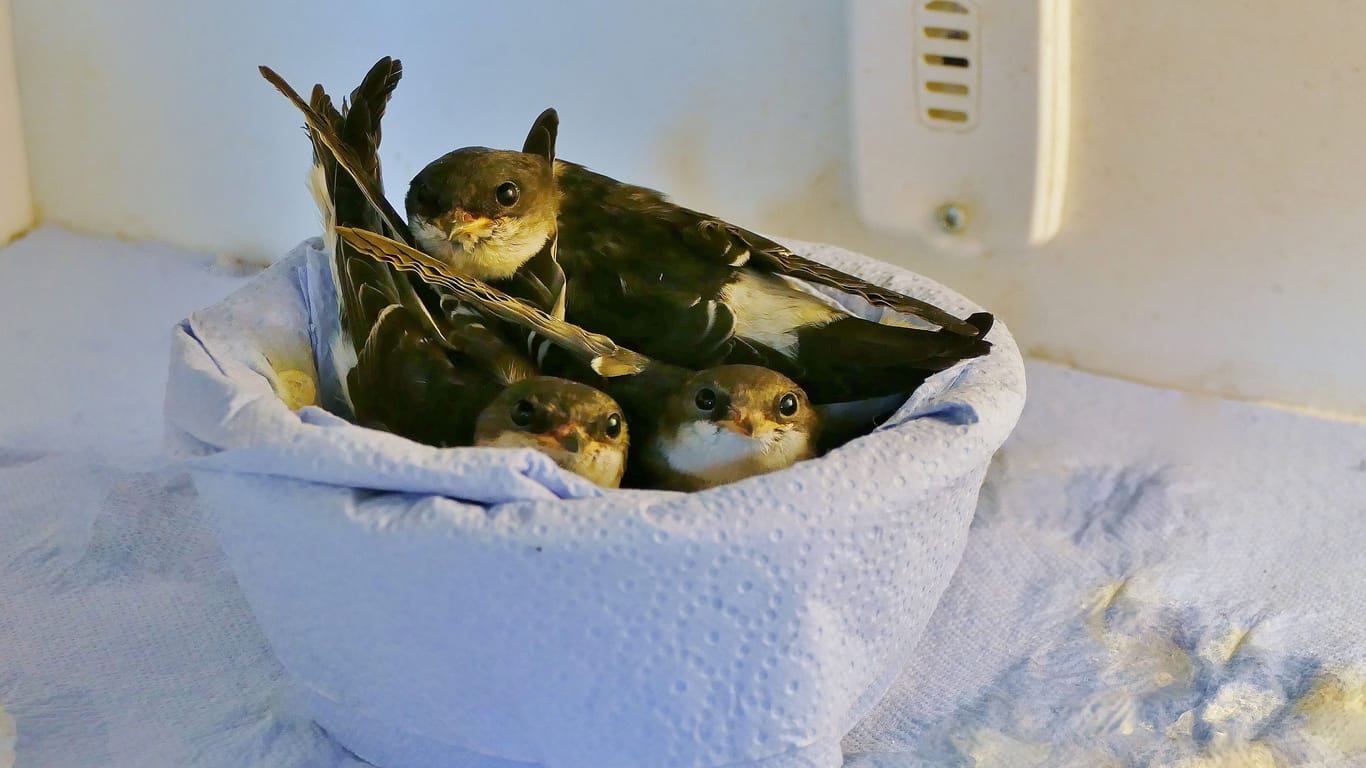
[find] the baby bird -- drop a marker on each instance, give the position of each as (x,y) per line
(580,427)
(672,283)
(345,151)
(436,373)
(728,423)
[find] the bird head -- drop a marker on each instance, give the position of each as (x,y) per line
(733,421)
(484,212)
(580,427)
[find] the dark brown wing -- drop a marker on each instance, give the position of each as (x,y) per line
(347,158)
(364,288)
(407,383)
(541,278)
(598,351)
(729,241)
(406,380)
(701,251)
(633,278)
(358,162)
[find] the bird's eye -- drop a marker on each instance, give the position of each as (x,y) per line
(705,400)
(508,194)
(614,426)
(787,404)
(522,411)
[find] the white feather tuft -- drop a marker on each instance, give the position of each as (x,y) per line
(317,186)
(768,309)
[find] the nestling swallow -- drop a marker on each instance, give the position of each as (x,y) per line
(493,212)
(378,241)
(401,363)
(434,374)
(578,426)
(728,423)
(672,283)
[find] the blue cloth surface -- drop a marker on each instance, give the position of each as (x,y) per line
(1151,578)
(526,616)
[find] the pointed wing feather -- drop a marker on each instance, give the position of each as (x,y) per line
(345,156)
(364,291)
(730,241)
(600,352)
(540,140)
(715,248)
(368,103)
(543,276)
(354,165)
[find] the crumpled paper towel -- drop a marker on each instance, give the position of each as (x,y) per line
(482,608)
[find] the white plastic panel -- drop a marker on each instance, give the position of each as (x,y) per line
(960,118)
(16,207)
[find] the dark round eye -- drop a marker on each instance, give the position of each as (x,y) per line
(614,426)
(522,411)
(706,399)
(508,194)
(787,404)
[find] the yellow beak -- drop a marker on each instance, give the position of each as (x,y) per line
(739,423)
(461,226)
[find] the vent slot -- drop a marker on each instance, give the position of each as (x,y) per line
(936,60)
(948,58)
(944,33)
(956,89)
(952,115)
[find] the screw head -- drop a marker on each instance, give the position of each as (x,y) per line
(952,218)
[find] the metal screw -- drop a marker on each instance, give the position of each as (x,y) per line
(952,218)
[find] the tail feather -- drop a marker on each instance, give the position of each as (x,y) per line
(354,164)
(346,157)
(368,103)
(405,377)
(372,286)
(889,359)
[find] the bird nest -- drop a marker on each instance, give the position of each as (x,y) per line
(481,606)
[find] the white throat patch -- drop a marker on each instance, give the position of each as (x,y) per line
(496,257)
(709,451)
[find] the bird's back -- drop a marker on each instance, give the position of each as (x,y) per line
(689,289)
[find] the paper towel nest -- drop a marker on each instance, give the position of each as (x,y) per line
(481,607)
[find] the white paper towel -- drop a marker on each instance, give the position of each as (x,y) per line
(484,608)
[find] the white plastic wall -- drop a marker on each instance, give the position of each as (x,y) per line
(16,207)
(1212,237)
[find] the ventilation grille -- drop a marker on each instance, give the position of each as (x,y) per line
(947,57)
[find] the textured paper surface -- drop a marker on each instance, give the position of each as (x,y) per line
(750,624)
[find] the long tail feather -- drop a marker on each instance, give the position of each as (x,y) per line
(788,263)
(324,128)
(345,157)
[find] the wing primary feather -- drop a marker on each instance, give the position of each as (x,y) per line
(324,129)
(599,351)
(345,158)
(784,261)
